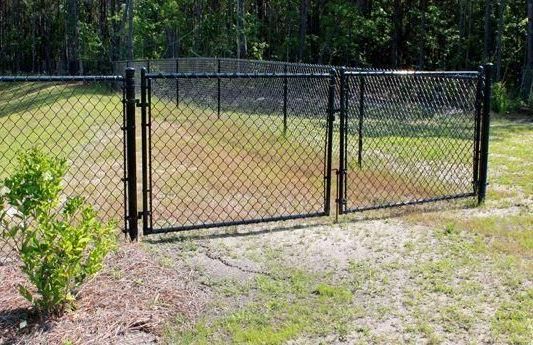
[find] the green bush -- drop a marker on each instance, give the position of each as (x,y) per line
(500,98)
(59,246)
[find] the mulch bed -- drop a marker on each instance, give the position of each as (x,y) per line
(132,295)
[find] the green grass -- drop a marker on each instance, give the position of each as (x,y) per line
(282,309)
(60,117)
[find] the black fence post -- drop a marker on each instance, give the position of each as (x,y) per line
(485,132)
(342,144)
(329,146)
(218,89)
(177,83)
(144,150)
(148,65)
(477,134)
(285,99)
(361,119)
(131,153)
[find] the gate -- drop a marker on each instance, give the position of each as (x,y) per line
(412,137)
(228,149)
(221,149)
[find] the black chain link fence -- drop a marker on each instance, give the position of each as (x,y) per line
(235,149)
(227,141)
(409,137)
(76,118)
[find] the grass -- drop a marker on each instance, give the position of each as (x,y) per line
(77,121)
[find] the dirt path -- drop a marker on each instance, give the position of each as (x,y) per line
(379,280)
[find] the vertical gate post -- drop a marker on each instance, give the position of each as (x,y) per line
(218,89)
(131,152)
(144,151)
(485,131)
(329,148)
(477,134)
(285,96)
(342,145)
(177,83)
(361,119)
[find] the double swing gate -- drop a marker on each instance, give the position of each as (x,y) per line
(220,149)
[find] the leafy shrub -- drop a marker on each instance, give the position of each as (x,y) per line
(500,98)
(59,246)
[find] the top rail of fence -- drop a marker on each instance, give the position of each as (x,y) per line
(61,78)
(436,74)
(235,75)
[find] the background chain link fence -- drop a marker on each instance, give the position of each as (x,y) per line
(76,118)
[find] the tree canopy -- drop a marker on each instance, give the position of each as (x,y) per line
(77,36)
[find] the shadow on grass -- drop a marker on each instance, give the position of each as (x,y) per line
(364,216)
(27,96)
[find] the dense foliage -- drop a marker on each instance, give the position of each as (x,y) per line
(59,246)
(54,35)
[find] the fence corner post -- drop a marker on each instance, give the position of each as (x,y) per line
(131,153)
(485,132)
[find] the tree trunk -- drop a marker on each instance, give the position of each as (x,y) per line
(242,49)
(499,47)
(396,32)
(129,44)
(304,8)
(422,36)
(73,37)
(527,77)
(487,36)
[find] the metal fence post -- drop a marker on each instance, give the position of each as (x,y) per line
(144,151)
(342,144)
(329,146)
(485,132)
(361,119)
(131,153)
(148,65)
(218,89)
(285,96)
(477,134)
(177,83)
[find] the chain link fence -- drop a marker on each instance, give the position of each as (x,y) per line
(227,141)
(236,149)
(76,118)
(409,137)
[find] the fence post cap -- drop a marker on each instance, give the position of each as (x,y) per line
(130,72)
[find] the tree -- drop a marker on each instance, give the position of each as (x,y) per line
(527,79)
(73,37)
(304,7)
(499,47)
(396,32)
(487,36)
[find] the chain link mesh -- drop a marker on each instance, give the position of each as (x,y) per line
(409,138)
(240,160)
(79,120)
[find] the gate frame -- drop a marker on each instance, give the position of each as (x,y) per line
(146,150)
(481,136)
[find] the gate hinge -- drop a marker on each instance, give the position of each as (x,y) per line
(140,104)
(140,214)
